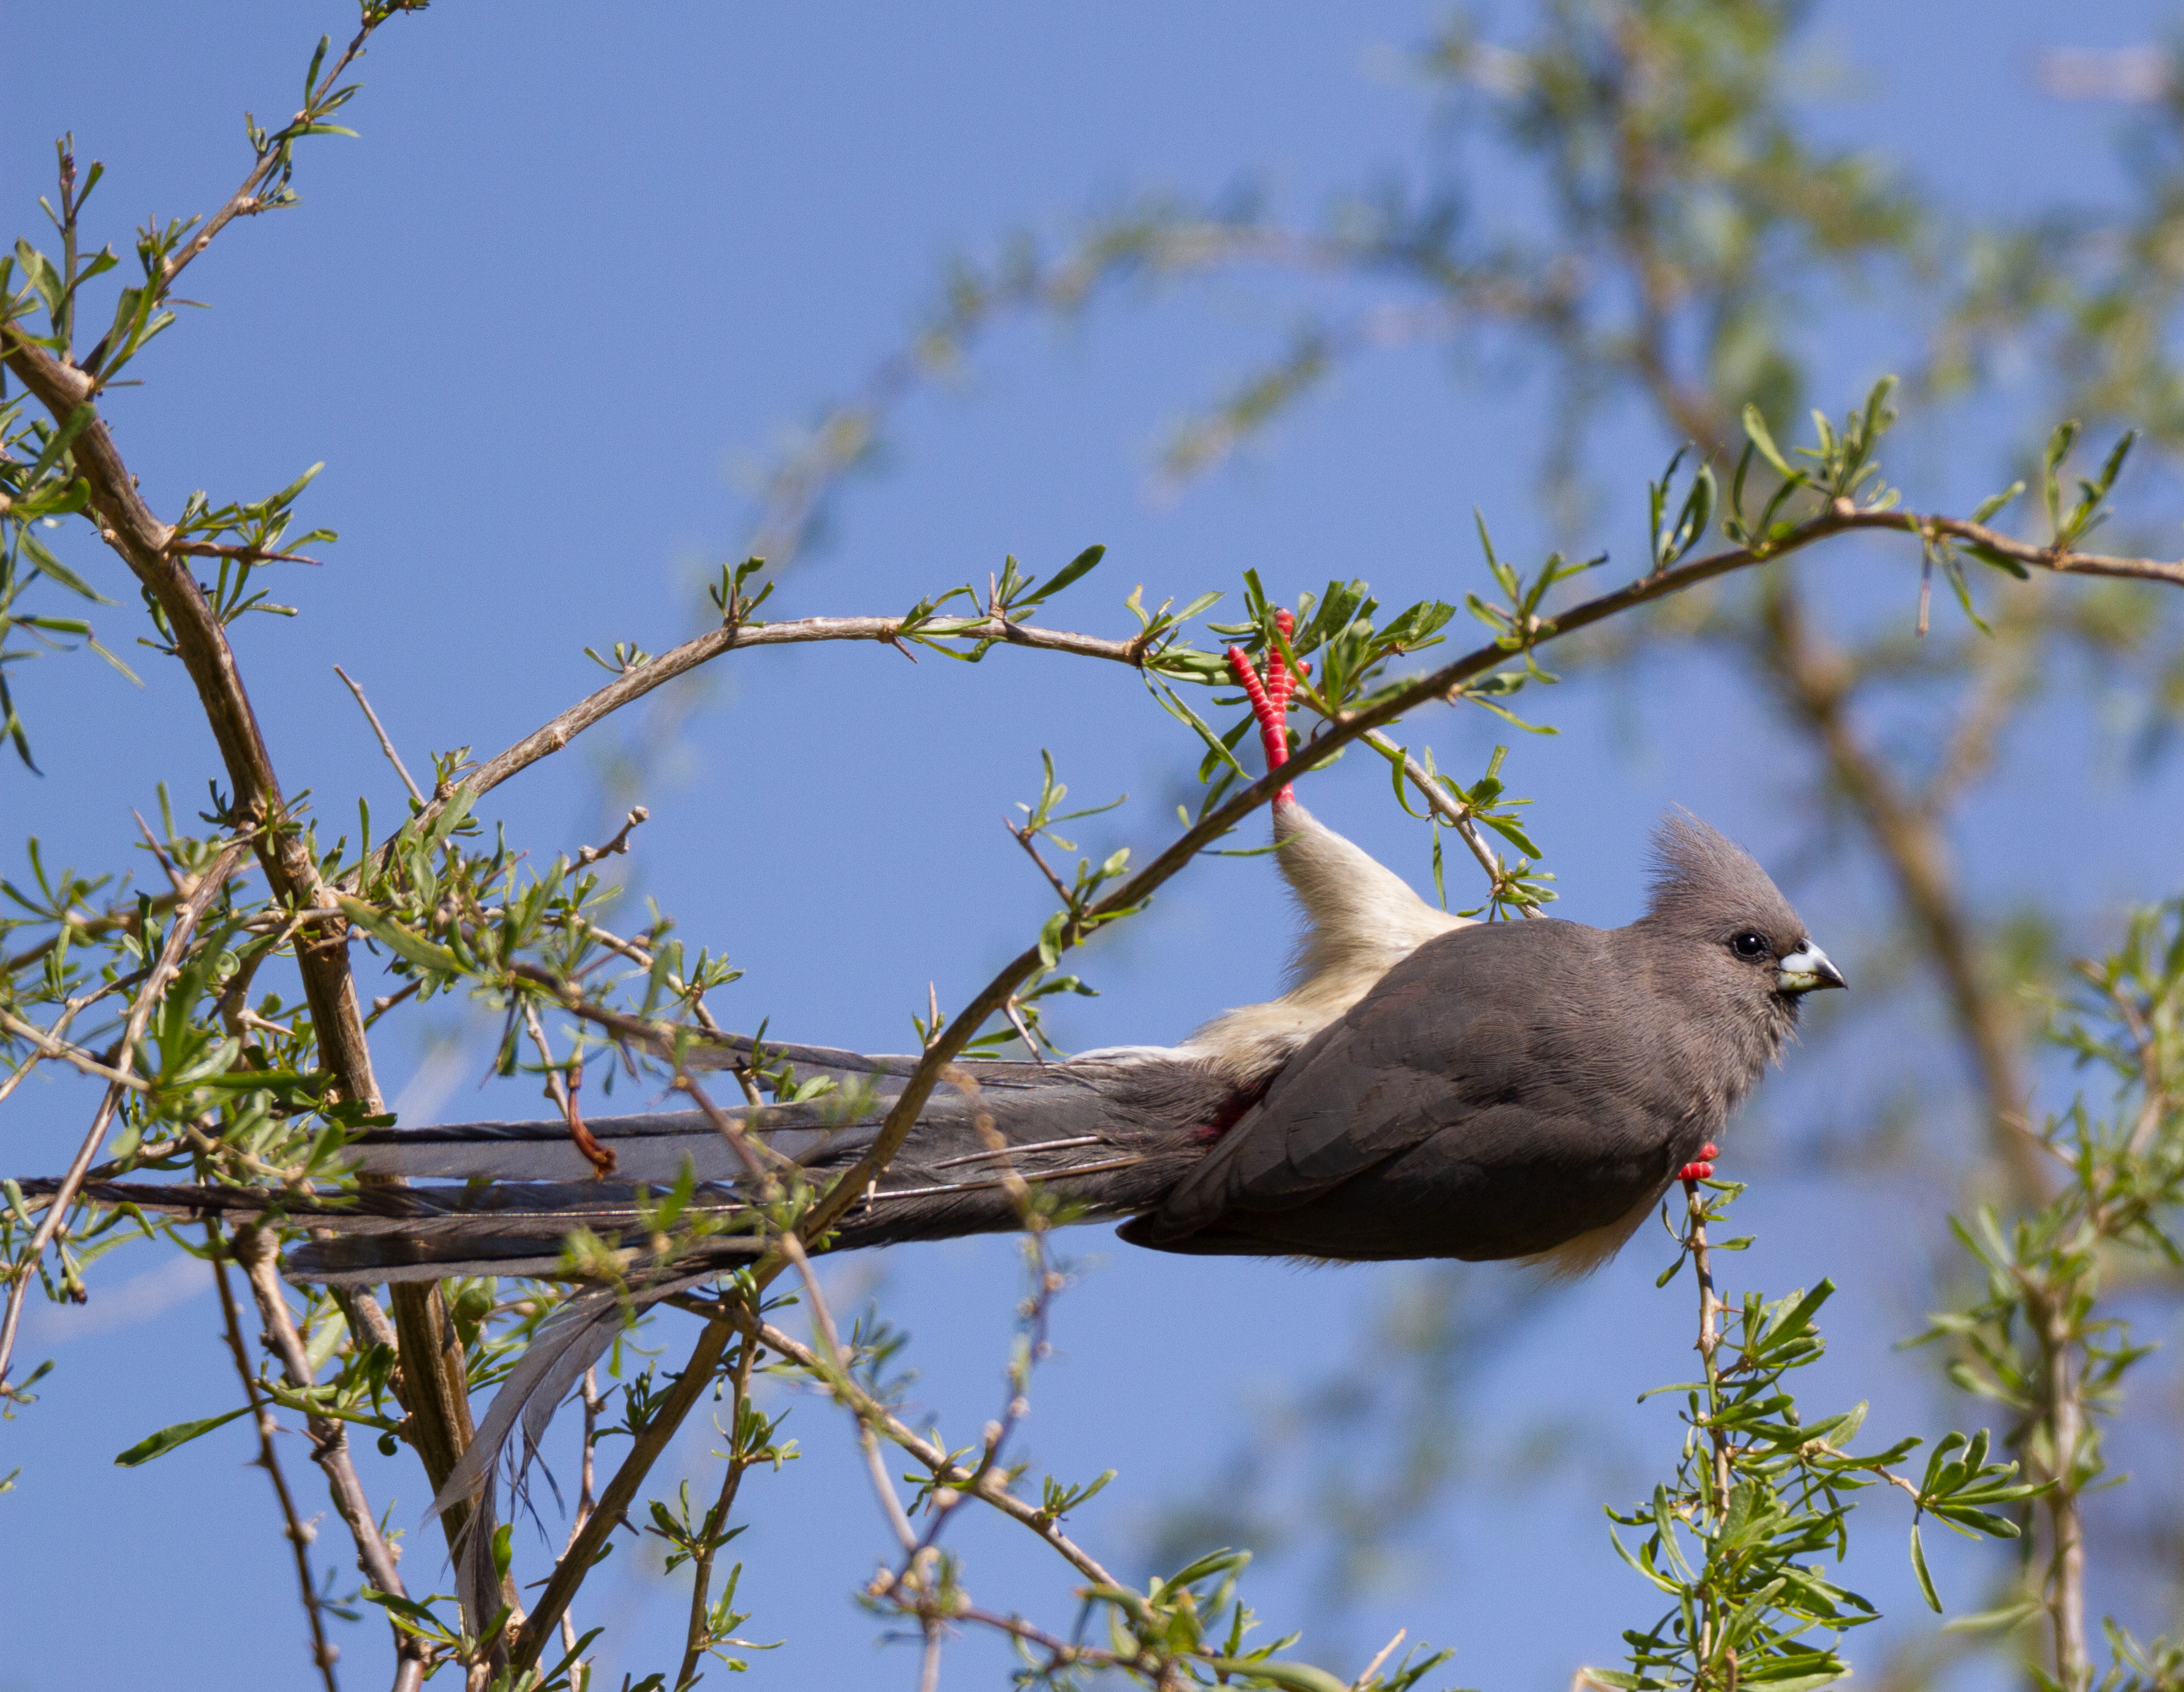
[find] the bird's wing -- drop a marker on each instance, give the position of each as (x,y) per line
(1480,1102)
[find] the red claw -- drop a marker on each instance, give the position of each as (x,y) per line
(1702,1170)
(1270,699)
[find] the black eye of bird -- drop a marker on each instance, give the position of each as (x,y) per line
(1749,946)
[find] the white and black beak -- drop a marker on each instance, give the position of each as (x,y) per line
(1805,968)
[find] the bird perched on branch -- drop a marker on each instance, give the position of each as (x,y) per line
(1428,1086)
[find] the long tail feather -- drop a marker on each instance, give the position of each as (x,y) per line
(1111,1132)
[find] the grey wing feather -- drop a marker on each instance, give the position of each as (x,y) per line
(1459,1109)
(568,1342)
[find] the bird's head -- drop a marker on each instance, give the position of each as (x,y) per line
(1730,921)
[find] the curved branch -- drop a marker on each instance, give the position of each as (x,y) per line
(635,683)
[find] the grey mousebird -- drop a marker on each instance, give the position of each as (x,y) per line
(1428,1086)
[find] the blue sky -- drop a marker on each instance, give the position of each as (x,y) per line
(584,267)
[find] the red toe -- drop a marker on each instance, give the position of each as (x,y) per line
(1270,698)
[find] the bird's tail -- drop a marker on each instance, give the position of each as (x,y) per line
(1107,1133)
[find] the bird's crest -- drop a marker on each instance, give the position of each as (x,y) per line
(1701,875)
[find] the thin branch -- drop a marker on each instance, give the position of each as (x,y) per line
(1372,1667)
(244,202)
(329,1435)
(562,1092)
(990,1487)
(1842,518)
(386,744)
(646,1449)
(140,1014)
(839,1381)
(592,855)
(240,553)
(299,1537)
(1709,1344)
(636,682)
(2062,1394)
(89,926)
(698,1640)
(1457,816)
(60,1051)
(587,1480)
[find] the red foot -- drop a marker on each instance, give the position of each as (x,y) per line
(1270,700)
(1702,1170)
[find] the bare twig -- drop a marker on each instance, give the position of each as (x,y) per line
(1372,1667)
(563,1094)
(859,1404)
(991,1487)
(1459,816)
(592,855)
(240,554)
(386,744)
(45,1046)
(329,1435)
(299,1536)
(90,926)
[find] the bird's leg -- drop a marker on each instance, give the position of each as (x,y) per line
(1703,1169)
(1270,699)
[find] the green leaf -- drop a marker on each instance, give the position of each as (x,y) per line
(158,1445)
(1077,568)
(1994,501)
(1291,1677)
(1980,1521)
(1755,425)
(78,421)
(2009,1616)
(1173,705)
(1796,1323)
(420,952)
(1918,1566)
